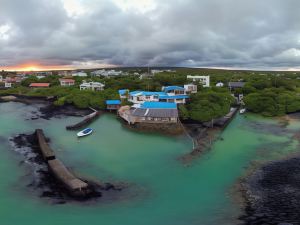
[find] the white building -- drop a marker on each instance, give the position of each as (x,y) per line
(146,76)
(8,84)
(220,84)
(66,82)
(79,74)
(64,73)
(40,76)
(191,88)
(106,73)
(204,80)
(98,73)
(94,86)
(139,97)
(1,78)
(170,94)
(155,71)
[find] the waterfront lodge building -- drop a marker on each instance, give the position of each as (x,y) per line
(170,94)
(150,112)
(113,104)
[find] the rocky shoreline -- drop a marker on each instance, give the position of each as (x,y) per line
(165,129)
(203,137)
(46,108)
(272,194)
(43,180)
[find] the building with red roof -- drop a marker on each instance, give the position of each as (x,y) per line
(39,85)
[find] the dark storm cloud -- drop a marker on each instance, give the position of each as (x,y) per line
(214,33)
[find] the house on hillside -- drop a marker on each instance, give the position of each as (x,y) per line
(146,76)
(94,86)
(177,99)
(220,84)
(64,73)
(234,86)
(79,74)
(7,84)
(173,90)
(204,80)
(66,82)
(190,88)
(172,94)
(106,73)
(139,97)
(123,93)
(39,85)
(10,81)
(150,112)
(40,76)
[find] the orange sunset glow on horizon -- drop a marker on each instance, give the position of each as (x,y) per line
(34,67)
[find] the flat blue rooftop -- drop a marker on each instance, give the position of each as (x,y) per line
(158,105)
(113,102)
(173,88)
(123,91)
(146,93)
(173,97)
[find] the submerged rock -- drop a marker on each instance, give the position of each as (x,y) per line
(273,194)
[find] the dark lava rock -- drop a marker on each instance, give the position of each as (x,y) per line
(46,185)
(273,194)
(49,110)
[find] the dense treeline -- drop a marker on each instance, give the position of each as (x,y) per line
(267,93)
(207,105)
(273,102)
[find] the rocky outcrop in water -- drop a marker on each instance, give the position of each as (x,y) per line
(273,194)
(43,180)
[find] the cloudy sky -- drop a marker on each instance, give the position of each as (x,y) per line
(254,34)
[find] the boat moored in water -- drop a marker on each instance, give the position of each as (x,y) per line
(242,111)
(85,132)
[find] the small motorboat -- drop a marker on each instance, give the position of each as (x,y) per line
(85,132)
(242,111)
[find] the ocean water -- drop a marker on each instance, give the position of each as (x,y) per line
(161,190)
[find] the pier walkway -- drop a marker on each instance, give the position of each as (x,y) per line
(87,120)
(75,186)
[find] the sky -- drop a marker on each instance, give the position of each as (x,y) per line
(64,34)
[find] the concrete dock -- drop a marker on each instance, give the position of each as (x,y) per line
(87,120)
(75,186)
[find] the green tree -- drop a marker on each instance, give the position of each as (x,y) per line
(208,105)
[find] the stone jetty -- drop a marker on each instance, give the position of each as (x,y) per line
(87,120)
(74,185)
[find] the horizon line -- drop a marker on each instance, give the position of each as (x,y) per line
(156,67)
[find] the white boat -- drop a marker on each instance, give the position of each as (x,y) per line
(85,132)
(242,111)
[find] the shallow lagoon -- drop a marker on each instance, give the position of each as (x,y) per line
(161,189)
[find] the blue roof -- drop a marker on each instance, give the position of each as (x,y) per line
(113,102)
(172,88)
(123,91)
(158,105)
(174,97)
(147,93)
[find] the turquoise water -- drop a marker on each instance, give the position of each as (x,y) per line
(161,190)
